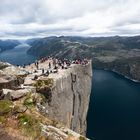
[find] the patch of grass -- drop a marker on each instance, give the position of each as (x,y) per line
(29,125)
(82,138)
(44,83)
(29,101)
(42,99)
(2,119)
(44,87)
(5,107)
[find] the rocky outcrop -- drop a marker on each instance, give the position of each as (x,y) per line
(49,107)
(10,76)
(9,82)
(70,97)
(14,94)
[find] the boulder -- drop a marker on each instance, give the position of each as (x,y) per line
(28,80)
(57,131)
(14,94)
(1,95)
(4,65)
(9,82)
(12,70)
(19,109)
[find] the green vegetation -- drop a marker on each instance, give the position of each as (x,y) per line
(2,119)
(29,125)
(30,101)
(69,134)
(5,107)
(44,83)
(82,138)
(44,87)
(42,99)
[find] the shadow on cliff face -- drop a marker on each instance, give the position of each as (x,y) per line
(90,111)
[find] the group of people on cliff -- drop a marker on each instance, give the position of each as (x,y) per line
(54,64)
(63,63)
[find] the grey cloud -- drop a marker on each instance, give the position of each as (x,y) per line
(76,17)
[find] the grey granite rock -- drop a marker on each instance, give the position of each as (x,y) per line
(14,94)
(70,97)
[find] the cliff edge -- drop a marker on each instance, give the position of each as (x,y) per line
(71,95)
(38,105)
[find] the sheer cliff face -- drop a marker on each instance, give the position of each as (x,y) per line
(70,97)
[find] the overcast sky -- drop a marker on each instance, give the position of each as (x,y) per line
(39,18)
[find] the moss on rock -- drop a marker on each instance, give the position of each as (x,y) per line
(82,138)
(5,107)
(2,119)
(44,83)
(29,101)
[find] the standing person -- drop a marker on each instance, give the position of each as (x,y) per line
(54,62)
(49,65)
(43,71)
(59,63)
(55,69)
(47,73)
(35,62)
(24,66)
(65,65)
(35,77)
(37,65)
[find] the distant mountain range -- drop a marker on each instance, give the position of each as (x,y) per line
(120,54)
(53,45)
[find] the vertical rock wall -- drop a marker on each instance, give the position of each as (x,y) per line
(70,97)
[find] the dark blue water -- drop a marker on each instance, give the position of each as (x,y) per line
(18,55)
(114,112)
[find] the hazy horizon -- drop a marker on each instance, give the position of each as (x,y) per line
(29,38)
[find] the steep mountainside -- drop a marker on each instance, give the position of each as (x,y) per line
(57,47)
(8,44)
(121,54)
